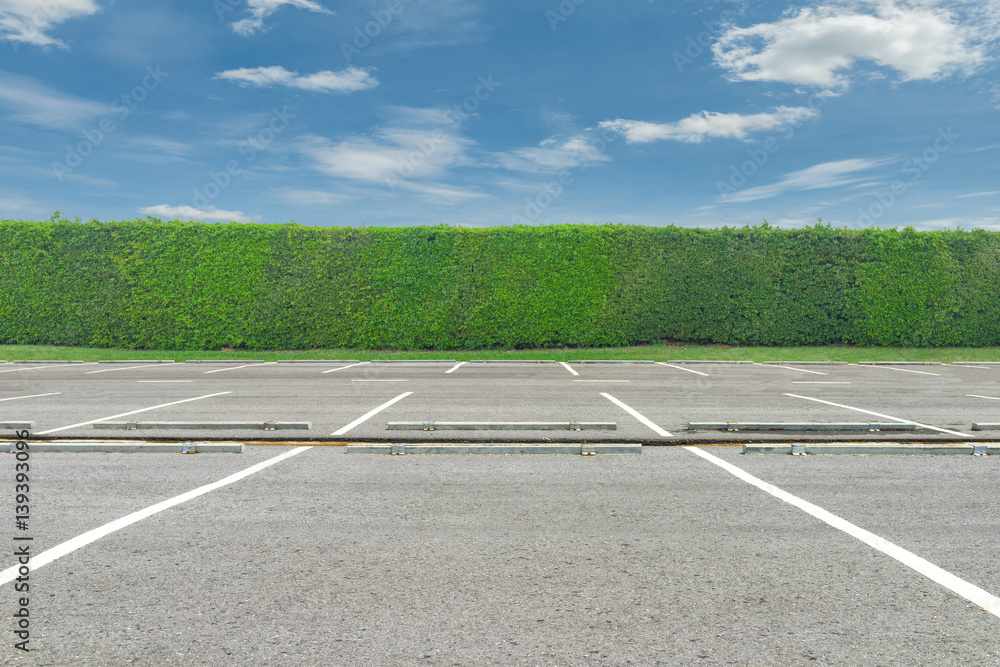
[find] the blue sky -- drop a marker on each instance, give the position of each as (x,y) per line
(475,113)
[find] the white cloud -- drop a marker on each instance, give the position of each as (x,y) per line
(15,205)
(707,124)
(28,101)
(426,23)
(345,81)
(557,119)
(552,155)
(154,150)
(22,162)
(440,193)
(261,9)
(355,158)
(92,181)
(409,153)
(988,193)
(817,45)
(210,214)
(983,148)
(318,198)
(825,175)
(968,223)
(388,152)
(27,21)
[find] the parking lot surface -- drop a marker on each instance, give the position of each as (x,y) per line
(649,403)
(306,555)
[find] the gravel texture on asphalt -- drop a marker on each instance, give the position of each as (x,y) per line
(656,559)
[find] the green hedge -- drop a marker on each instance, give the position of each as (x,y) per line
(181,285)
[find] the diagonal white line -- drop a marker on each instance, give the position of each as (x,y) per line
(14,398)
(233,368)
(638,416)
(986,600)
(41,368)
(992,398)
(334,370)
(125,414)
(902,370)
(368,415)
(83,540)
(127,368)
(568,368)
(455,367)
(681,368)
(801,370)
(879,414)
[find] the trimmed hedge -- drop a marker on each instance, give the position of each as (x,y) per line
(182,285)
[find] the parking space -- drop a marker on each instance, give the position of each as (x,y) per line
(286,555)
(325,558)
(63,400)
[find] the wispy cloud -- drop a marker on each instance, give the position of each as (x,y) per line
(825,175)
(440,193)
(426,23)
(368,158)
(210,214)
(28,21)
(410,152)
(552,155)
(261,9)
(16,205)
(346,81)
(989,147)
(155,150)
(989,193)
(310,198)
(708,124)
(817,46)
(30,102)
(968,223)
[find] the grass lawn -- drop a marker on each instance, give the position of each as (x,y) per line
(645,352)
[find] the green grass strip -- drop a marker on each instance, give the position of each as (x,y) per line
(639,352)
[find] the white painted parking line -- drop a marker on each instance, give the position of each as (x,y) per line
(568,368)
(83,540)
(133,412)
(371,414)
(233,368)
(816,382)
(377,380)
(984,599)
(334,370)
(902,370)
(455,367)
(801,370)
(878,414)
(992,398)
(638,416)
(16,398)
(42,368)
(681,368)
(127,368)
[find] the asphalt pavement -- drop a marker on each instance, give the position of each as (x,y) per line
(649,403)
(664,558)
